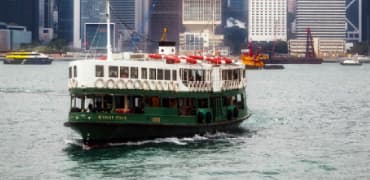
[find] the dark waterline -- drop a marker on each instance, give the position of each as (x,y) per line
(308,122)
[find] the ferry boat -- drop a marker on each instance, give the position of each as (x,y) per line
(133,96)
(26,58)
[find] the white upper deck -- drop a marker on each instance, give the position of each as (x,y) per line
(166,73)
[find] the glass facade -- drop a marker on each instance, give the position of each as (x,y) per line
(122,14)
(326,19)
(21,12)
(267,20)
(201,12)
(65,20)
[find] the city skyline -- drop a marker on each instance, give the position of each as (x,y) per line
(139,23)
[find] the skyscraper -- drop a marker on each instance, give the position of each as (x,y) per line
(199,19)
(21,12)
(123,13)
(327,22)
(354,20)
(325,18)
(165,13)
(267,20)
(65,20)
(366,21)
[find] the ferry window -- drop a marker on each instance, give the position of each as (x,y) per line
(70,72)
(228,100)
(75,71)
(99,71)
(144,73)
(123,72)
(134,72)
(167,74)
(192,75)
(239,101)
(224,75)
(113,71)
(77,104)
(203,103)
(159,74)
(152,73)
(199,75)
(229,74)
(174,75)
(152,101)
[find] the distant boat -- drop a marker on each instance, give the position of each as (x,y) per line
(26,58)
(352,62)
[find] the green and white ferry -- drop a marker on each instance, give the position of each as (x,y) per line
(131,96)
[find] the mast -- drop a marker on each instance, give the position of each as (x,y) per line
(109,47)
(213,27)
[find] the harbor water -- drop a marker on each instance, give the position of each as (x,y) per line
(308,122)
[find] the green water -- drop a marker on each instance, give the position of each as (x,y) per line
(308,122)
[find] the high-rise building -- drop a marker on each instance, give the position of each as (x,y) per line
(366,21)
(327,21)
(234,8)
(267,20)
(164,13)
(199,19)
(325,18)
(354,20)
(21,12)
(65,20)
(124,14)
(48,18)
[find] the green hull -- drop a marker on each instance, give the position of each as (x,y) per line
(150,122)
(101,132)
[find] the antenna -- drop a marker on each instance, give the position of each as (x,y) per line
(109,47)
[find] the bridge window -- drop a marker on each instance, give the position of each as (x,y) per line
(167,74)
(124,72)
(75,71)
(174,75)
(159,74)
(70,72)
(134,72)
(152,73)
(113,71)
(99,71)
(144,73)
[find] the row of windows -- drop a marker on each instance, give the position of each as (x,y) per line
(133,73)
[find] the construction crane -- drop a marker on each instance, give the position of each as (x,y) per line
(310,52)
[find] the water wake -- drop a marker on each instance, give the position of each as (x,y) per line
(170,140)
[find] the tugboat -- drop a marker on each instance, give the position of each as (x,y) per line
(146,96)
(26,58)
